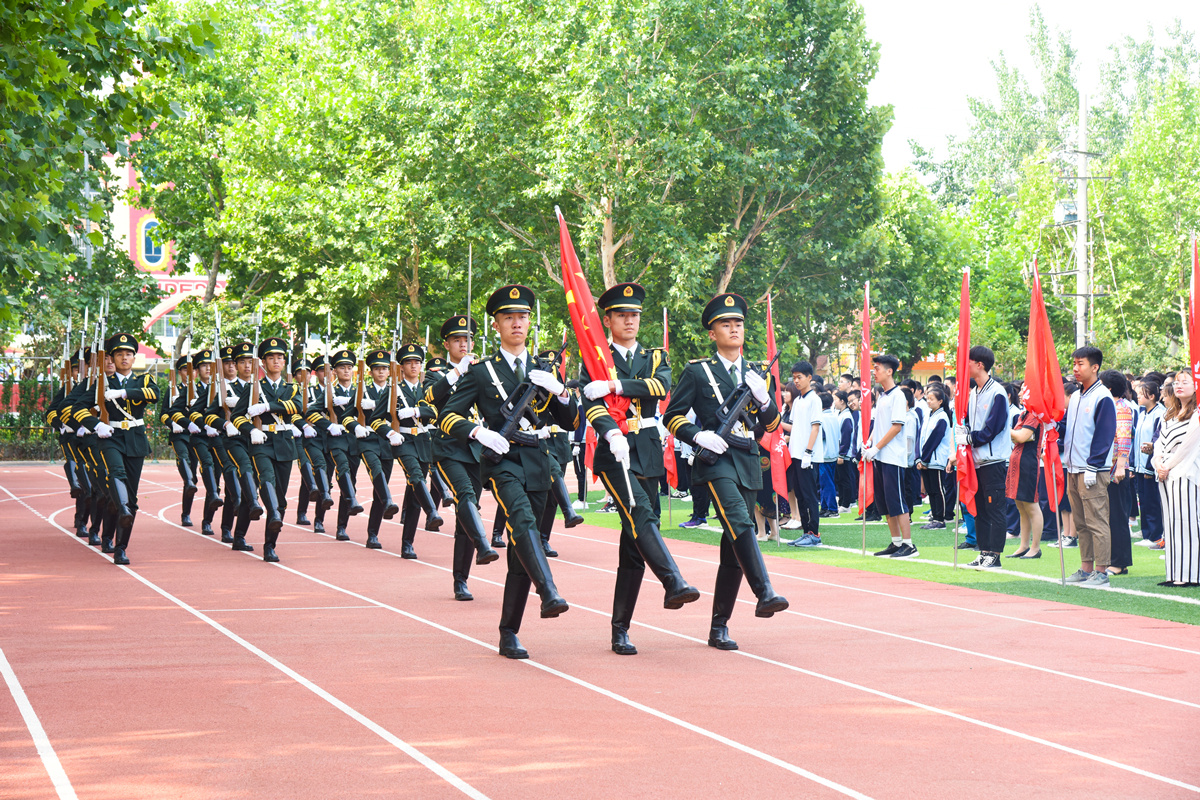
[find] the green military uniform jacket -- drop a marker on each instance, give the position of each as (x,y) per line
(445,447)
(127,415)
(177,411)
(284,410)
(377,419)
(318,417)
(529,465)
(645,379)
(695,392)
(416,438)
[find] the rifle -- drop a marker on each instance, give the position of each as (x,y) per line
(255,386)
(191,370)
(304,397)
(730,413)
(101,378)
(173,373)
(394,371)
(518,408)
(66,375)
(362,370)
(330,409)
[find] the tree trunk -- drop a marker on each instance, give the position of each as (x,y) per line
(210,291)
(608,247)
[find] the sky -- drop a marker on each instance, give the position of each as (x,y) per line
(934,54)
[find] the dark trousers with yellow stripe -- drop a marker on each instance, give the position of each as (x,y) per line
(91,479)
(124,473)
(465,484)
(740,554)
(378,466)
(231,475)
(522,509)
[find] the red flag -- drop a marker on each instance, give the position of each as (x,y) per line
(781,459)
(669,442)
(1043,393)
(866,473)
(593,346)
(589,452)
(1194,314)
(968,481)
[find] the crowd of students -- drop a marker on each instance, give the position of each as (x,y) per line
(1129,445)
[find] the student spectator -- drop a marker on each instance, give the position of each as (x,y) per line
(846,468)
(826,455)
(806,430)
(1021,483)
(986,430)
(937,445)
(1091,432)
(1175,463)
(1121,554)
(912,446)
(890,456)
(1148,429)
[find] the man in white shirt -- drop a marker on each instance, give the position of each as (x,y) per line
(806,431)
(889,453)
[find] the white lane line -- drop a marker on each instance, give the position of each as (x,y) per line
(348,710)
(296,608)
(58,775)
(820,676)
(716,737)
(934,603)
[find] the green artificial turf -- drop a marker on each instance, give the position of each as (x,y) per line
(843,532)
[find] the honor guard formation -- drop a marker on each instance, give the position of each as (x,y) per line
(242,415)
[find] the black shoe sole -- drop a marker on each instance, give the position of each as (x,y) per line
(463,596)
(515,654)
(433,524)
(553,610)
(624,650)
(678,601)
(765,611)
(723,644)
(486,558)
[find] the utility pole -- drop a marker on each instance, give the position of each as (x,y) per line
(1083,282)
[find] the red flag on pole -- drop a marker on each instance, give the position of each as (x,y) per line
(968,481)
(1043,393)
(669,441)
(589,452)
(593,345)
(866,480)
(781,459)
(1194,314)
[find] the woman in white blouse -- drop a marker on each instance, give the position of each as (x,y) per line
(1177,465)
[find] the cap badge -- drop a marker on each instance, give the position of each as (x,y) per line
(514,293)
(729,301)
(629,291)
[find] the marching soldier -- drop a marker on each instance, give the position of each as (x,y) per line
(174,414)
(736,476)
(375,440)
(230,456)
(73,465)
(560,495)
(644,376)
(122,440)
(341,444)
(458,462)
(416,453)
(201,444)
(71,413)
(268,426)
(237,443)
(314,480)
(519,478)
(321,443)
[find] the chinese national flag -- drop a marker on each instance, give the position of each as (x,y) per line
(669,442)
(1043,393)
(866,481)
(589,452)
(968,481)
(1194,314)
(781,459)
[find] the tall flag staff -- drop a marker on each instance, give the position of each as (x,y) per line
(1194,314)
(1043,396)
(780,457)
(866,485)
(964,459)
(593,346)
(669,463)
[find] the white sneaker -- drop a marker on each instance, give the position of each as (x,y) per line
(579,505)
(792,525)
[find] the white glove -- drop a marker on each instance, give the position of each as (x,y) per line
(193,428)
(870,453)
(361,432)
(176,428)
(407,413)
(574,450)
(395,439)
(452,376)
(961,434)
(709,440)
(618,445)
(335,429)
(211,431)
(805,460)
(231,400)
(758,387)
(105,431)
(231,429)
(309,431)
(367,403)
(1089,478)
(81,431)
(64,430)
(114,394)
(543,433)
(257,436)
(258,409)
(341,400)
(491,440)
(596,389)
(296,432)
(547,381)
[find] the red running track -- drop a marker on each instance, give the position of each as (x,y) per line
(199,672)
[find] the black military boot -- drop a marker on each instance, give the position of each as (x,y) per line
(270,500)
(533,559)
(325,501)
(120,501)
(269,545)
(343,518)
(123,534)
(750,558)
(408,531)
(73,482)
(374,521)
(383,495)
(516,591)
(654,551)
(729,579)
(461,566)
(185,510)
(433,520)
(250,497)
(546,527)
(629,582)
(472,524)
(562,496)
(347,488)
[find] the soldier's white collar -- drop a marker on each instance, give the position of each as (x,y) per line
(626,352)
(511,359)
(730,364)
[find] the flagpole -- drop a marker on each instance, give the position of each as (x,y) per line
(670,488)
(862,503)
(1052,495)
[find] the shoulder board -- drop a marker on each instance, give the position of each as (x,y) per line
(656,348)
(698,360)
